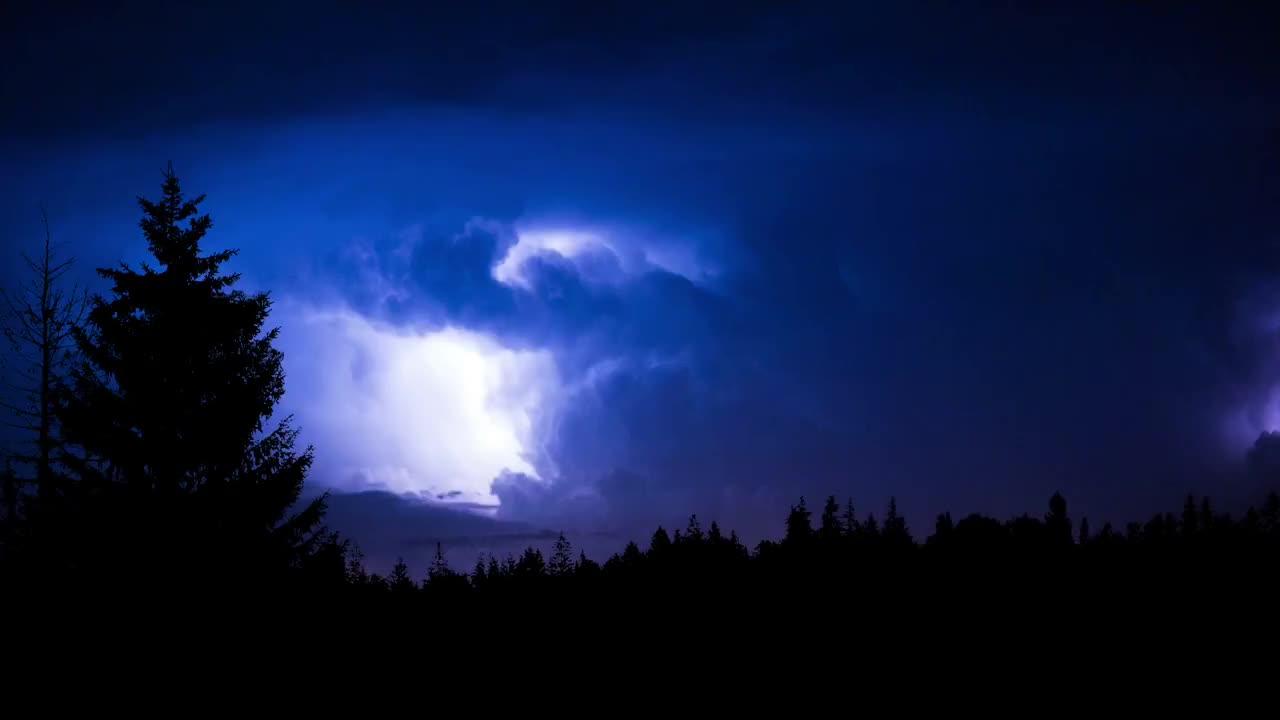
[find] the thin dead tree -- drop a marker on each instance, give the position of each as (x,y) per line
(38,319)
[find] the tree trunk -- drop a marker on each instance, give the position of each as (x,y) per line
(44,478)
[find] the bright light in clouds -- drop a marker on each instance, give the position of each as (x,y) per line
(439,413)
(531,242)
(634,253)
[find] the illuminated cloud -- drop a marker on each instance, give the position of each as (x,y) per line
(437,413)
(446,365)
(566,243)
(598,254)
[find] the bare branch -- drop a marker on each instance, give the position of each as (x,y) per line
(24,335)
(29,373)
(22,389)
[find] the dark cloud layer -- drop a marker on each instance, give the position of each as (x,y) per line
(86,67)
(962,257)
(249,62)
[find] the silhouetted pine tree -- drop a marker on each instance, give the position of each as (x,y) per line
(561,564)
(439,571)
(895,531)
(356,573)
(714,536)
(660,543)
(693,533)
(587,570)
(870,529)
(531,564)
(168,410)
(1190,517)
(799,529)
(400,582)
(850,519)
(632,557)
(830,528)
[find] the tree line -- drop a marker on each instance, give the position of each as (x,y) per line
(149,458)
(840,548)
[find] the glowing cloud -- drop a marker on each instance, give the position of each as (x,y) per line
(566,243)
(530,244)
(628,253)
(437,413)
(443,411)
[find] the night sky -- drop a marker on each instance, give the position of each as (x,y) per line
(595,266)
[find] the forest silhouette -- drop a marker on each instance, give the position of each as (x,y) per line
(150,461)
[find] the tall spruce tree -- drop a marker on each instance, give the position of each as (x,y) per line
(169,409)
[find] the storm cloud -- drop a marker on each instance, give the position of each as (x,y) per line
(585,279)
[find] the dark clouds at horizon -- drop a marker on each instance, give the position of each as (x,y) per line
(965,257)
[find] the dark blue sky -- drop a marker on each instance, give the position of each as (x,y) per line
(609,264)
